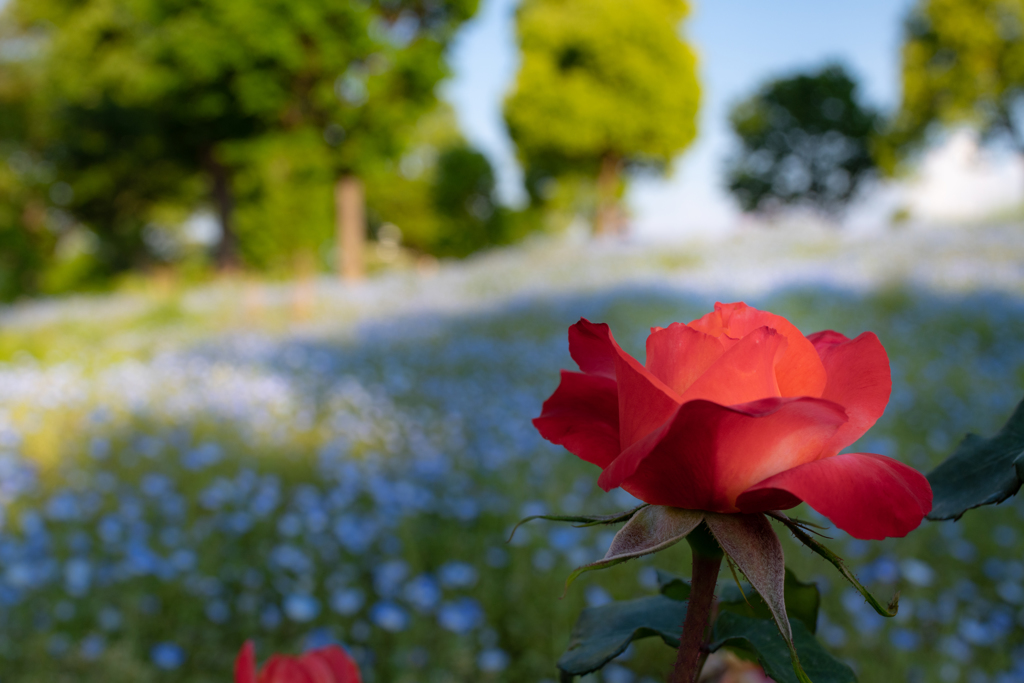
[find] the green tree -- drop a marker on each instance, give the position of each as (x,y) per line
(963,62)
(145,95)
(604,85)
(805,140)
(441,194)
(463,195)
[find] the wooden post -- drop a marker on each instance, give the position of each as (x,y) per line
(351,227)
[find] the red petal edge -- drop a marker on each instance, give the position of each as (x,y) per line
(245,664)
(866,495)
(593,348)
(583,416)
(858,379)
(644,400)
(285,669)
(330,664)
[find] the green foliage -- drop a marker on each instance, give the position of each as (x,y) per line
(25,243)
(760,638)
(285,187)
(980,471)
(803,599)
(143,103)
(600,79)
(441,194)
(805,140)
(463,196)
(603,633)
(963,62)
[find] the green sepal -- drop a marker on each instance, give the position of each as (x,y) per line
(602,633)
(980,471)
(797,530)
(581,520)
(762,638)
(652,528)
(750,542)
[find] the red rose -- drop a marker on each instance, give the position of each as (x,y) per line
(325,665)
(738,412)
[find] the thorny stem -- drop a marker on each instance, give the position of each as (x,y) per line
(707,560)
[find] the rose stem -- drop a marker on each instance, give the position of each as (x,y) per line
(707,560)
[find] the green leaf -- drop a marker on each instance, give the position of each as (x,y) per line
(651,529)
(582,520)
(602,633)
(797,530)
(672,586)
(762,638)
(980,471)
(751,543)
(803,600)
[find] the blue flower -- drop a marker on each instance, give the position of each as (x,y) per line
(167,656)
(389,616)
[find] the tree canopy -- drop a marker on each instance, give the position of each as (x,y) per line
(602,83)
(805,140)
(963,62)
(142,97)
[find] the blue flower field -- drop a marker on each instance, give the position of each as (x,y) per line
(183,469)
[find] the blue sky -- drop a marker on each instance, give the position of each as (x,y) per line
(739,43)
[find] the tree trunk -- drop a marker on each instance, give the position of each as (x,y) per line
(350,217)
(607,221)
(226,253)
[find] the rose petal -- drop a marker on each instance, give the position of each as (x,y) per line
(593,348)
(317,670)
(799,372)
(825,339)
(678,355)
(744,373)
(866,495)
(858,379)
(644,400)
(708,454)
(583,416)
(282,669)
(245,664)
(330,665)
